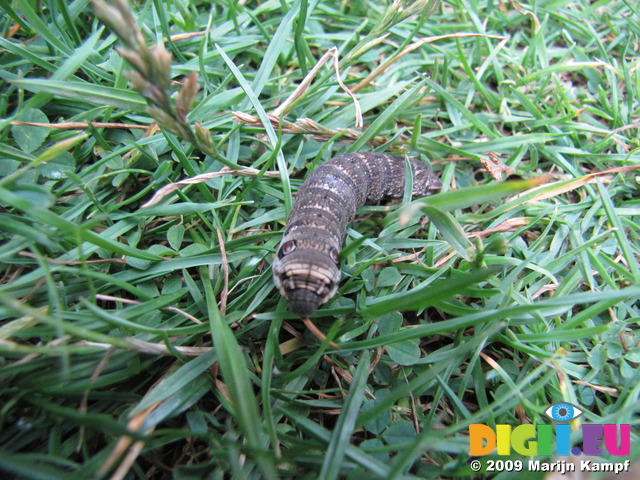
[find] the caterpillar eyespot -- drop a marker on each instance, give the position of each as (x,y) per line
(286,248)
(335,256)
(306,269)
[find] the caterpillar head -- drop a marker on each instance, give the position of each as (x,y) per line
(306,271)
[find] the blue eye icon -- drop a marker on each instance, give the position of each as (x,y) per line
(562,412)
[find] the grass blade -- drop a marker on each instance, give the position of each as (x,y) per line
(340,438)
(234,367)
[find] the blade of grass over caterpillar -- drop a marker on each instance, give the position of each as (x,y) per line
(463,198)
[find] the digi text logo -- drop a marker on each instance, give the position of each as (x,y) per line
(530,440)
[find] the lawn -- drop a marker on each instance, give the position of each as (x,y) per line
(150,156)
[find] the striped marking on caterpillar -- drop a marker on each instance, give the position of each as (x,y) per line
(306,268)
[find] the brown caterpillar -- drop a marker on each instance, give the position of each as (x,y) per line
(306,269)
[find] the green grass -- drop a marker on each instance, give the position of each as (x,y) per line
(136,344)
